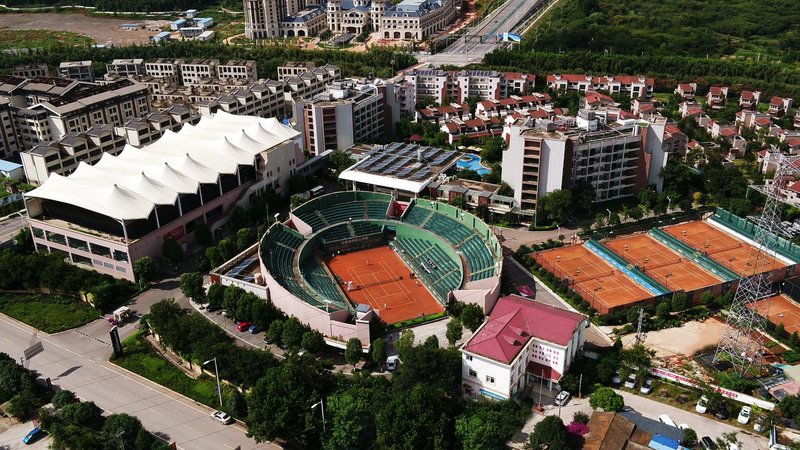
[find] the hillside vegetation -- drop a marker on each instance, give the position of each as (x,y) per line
(755,29)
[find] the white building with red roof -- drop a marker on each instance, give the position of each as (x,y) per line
(749,99)
(779,105)
(522,341)
(633,85)
(716,97)
(686,90)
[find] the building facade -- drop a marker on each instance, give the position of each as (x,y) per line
(349,112)
(521,341)
(106,216)
(76,70)
(440,86)
(635,86)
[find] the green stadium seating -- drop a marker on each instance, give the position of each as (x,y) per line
(316,276)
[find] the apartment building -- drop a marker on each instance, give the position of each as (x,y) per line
(310,83)
(64,155)
(635,86)
(126,67)
(262,99)
(440,86)
(168,70)
(196,71)
(294,68)
(76,70)
(522,341)
(31,70)
(556,155)
(106,216)
(44,109)
(9,141)
(347,113)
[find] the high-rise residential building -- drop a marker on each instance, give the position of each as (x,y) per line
(347,113)
(31,70)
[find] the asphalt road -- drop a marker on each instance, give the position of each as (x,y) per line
(10,227)
(77,360)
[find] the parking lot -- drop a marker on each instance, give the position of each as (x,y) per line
(11,438)
(704,425)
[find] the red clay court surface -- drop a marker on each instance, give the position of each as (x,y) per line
(722,247)
(662,264)
(781,310)
(596,281)
(377,270)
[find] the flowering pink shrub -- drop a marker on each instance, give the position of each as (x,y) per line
(577,428)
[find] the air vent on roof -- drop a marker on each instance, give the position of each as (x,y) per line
(519,331)
(511,340)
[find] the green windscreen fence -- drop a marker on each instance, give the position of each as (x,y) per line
(782,246)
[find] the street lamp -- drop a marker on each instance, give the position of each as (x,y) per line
(216,372)
(669,203)
(609,215)
(322,408)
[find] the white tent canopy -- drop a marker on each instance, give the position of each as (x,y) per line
(130,185)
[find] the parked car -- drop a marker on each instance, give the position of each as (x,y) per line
(254,329)
(630,382)
(761,424)
(702,405)
(683,426)
(666,420)
(243,326)
(744,415)
(647,386)
(222,417)
(562,398)
(617,378)
(707,443)
(392,362)
(212,308)
(721,412)
(33,436)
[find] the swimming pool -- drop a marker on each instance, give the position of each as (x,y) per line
(472,162)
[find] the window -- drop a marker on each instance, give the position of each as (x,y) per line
(489,379)
(120,256)
(472,373)
(469,357)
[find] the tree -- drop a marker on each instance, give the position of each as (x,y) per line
(214,256)
(727,439)
(689,437)
(606,399)
(23,241)
(202,234)
(63,398)
(280,403)
(408,413)
(23,404)
(379,351)
(680,302)
(192,286)
(549,434)
(245,237)
(405,343)
(145,269)
(351,414)
(172,251)
(489,425)
(637,359)
(293,330)
(583,196)
(458,201)
(338,161)
(236,403)
(313,341)
(122,427)
(789,407)
(275,332)
(84,414)
(492,149)
(557,205)
(352,353)
(471,316)
(215,295)
(663,308)
(454,331)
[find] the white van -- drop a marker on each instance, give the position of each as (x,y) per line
(666,420)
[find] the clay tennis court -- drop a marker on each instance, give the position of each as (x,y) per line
(381,279)
(780,310)
(662,264)
(722,247)
(596,281)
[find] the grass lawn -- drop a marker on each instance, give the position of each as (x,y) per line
(140,357)
(41,39)
(49,313)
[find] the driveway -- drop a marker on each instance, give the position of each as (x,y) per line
(11,439)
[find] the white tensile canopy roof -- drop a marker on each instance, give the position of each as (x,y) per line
(130,185)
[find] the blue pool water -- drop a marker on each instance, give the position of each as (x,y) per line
(472,162)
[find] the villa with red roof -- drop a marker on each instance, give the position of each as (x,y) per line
(522,341)
(635,86)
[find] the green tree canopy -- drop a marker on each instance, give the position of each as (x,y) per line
(192,286)
(606,399)
(549,434)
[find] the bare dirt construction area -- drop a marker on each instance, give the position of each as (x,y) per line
(102,30)
(686,340)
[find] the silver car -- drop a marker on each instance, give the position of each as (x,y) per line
(562,398)
(222,417)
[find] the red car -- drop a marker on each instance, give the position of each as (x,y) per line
(243,326)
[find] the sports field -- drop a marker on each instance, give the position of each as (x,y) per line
(661,263)
(780,310)
(382,280)
(595,280)
(723,247)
